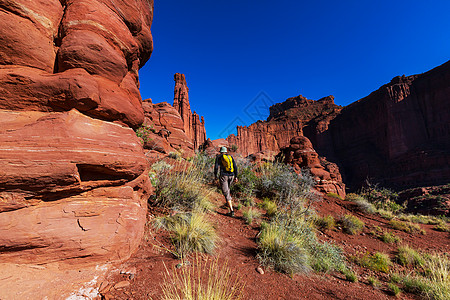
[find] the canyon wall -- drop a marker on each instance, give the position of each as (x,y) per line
(398,136)
(73,175)
(286,121)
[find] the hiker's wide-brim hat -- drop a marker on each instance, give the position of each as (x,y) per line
(223,150)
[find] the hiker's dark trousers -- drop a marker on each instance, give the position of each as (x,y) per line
(225,184)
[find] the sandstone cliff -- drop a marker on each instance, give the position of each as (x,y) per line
(194,127)
(73,179)
(399,135)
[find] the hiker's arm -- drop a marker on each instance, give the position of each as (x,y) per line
(216,167)
(235,169)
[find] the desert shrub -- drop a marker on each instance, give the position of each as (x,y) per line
(204,165)
(289,190)
(181,187)
(190,232)
(200,282)
(386,214)
(362,204)
(394,289)
(290,245)
(406,226)
(251,214)
(390,238)
(245,188)
(351,224)
(270,207)
(407,256)
(373,281)
(143,133)
(442,226)
(434,282)
(283,250)
(234,148)
(350,275)
(377,262)
(325,223)
(421,219)
(174,155)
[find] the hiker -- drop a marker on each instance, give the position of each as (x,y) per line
(228,174)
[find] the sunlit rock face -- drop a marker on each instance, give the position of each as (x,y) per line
(73,174)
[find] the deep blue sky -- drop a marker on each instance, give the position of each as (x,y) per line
(231,51)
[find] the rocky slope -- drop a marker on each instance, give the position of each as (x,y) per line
(73,179)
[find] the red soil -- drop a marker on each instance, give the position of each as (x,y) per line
(238,248)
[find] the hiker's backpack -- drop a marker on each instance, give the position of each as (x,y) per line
(227,163)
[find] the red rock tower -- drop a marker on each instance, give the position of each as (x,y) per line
(193,127)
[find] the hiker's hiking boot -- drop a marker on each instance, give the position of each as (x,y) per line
(231,213)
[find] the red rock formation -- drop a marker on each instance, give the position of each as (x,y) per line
(301,155)
(398,136)
(163,116)
(73,185)
(193,127)
(286,120)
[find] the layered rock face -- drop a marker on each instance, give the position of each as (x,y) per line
(286,121)
(73,179)
(168,133)
(399,135)
(194,126)
(301,155)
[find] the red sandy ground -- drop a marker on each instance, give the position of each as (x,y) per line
(238,248)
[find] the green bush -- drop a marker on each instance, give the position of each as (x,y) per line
(390,238)
(373,281)
(190,232)
(245,188)
(350,275)
(351,224)
(270,207)
(377,262)
(442,226)
(395,290)
(407,227)
(325,223)
(334,195)
(143,133)
(407,256)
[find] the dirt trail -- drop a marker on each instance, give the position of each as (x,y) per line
(238,248)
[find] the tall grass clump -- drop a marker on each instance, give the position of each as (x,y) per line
(362,203)
(408,256)
(390,238)
(202,282)
(432,281)
(270,207)
(351,224)
(291,246)
(377,262)
(190,232)
(325,223)
(251,214)
(407,227)
(181,186)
